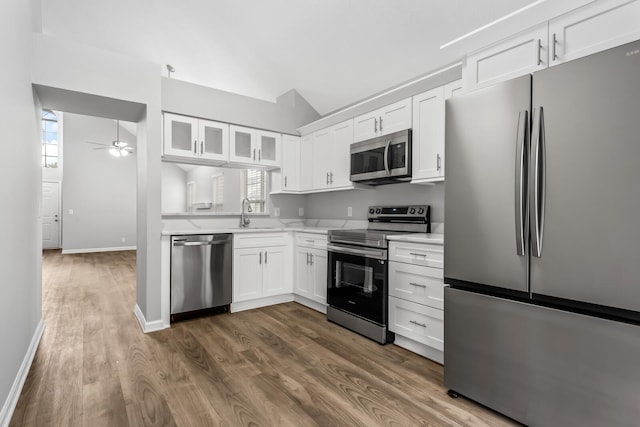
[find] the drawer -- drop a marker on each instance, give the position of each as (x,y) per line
(417,253)
(416,283)
(311,240)
(259,240)
(418,322)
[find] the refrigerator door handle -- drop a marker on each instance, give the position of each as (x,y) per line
(537,182)
(522,154)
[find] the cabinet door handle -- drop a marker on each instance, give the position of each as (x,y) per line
(375,125)
(538,53)
(259,154)
(418,285)
(307,258)
(417,254)
(260,258)
(311,259)
(254,154)
(380,123)
(330,177)
(201,148)
(424,325)
(195,148)
(327,178)
(285,182)
(438,162)
(265,256)
(554,42)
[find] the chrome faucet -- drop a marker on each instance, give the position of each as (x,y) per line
(244,216)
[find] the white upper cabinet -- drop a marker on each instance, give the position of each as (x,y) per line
(428,136)
(516,56)
(290,168)
(428,132)
(254,147)
(195,138)
(383,121)
(331,157)
(306,162)
(592,28)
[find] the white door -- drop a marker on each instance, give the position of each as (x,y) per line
(50,215)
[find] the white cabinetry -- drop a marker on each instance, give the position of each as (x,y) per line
(416,298)
(592,28)
(589,29)
(519,55)
(261,270)
(428,133)
(254,147)
(306,162)
(310,280)
(331,157)
(383,121)
(290,178)
(193,138)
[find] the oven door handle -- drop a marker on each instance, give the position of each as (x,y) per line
(365,252)
(386,158)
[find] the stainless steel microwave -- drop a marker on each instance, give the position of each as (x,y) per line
(382,160)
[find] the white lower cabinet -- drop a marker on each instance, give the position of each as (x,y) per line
(416,297)
(310,280)
(261,269)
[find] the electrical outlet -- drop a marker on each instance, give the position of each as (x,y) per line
(349,211)
(276,211)
(70,211)
(300,211)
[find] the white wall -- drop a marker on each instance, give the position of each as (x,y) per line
(334,205)
(174,198)
(20,192)
(98,187)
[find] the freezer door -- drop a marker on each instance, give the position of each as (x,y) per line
(485,192)
(589,188)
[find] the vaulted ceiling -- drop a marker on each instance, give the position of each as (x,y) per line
(333,52)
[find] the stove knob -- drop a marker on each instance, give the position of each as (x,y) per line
(412,211)
(378,211)
(371,211)
(420,211)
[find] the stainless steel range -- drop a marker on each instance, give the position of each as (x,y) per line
(357,284)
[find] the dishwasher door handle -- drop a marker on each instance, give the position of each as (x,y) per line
(218,242)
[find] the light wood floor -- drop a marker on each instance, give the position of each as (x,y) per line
(283,365)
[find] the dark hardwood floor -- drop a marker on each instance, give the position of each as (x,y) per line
(282,365)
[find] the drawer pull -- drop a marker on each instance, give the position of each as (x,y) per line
(417,254)
(418,323)
(418,285)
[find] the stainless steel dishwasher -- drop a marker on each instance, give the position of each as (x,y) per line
(201,266)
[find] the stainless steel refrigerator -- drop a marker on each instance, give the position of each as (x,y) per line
(542,243)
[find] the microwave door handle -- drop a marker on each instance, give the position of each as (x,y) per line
(386,158)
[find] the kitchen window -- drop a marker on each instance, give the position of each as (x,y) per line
(254,185)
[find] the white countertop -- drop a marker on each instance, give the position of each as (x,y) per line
(257,229)
(432,238)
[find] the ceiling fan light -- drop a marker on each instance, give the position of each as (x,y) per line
(114,152)
(124,153)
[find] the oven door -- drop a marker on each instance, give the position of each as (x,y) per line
(357,281)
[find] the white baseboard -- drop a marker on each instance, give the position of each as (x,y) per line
(90,250)
(12,399)
(260,302)
(147,327)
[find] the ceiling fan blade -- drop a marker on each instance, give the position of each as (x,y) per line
(102,148)
(98,143)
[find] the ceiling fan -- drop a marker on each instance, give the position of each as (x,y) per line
(117,147)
